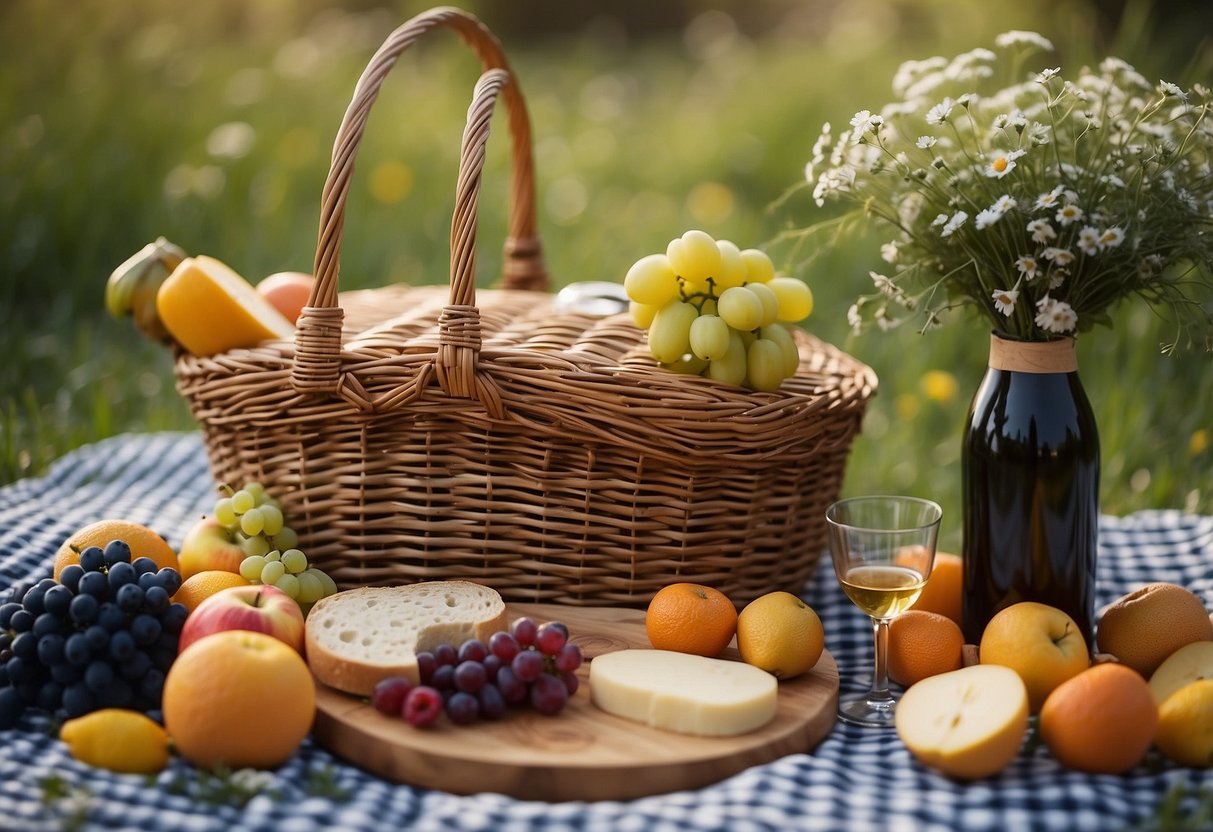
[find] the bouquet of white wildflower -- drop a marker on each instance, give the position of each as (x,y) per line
(1042,203)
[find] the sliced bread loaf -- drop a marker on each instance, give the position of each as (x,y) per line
(357,637)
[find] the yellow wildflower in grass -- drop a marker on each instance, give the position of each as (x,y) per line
(907,406)
(391,182)
(1199,442)
(939,386)
(710,202)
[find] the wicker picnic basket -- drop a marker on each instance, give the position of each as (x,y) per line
(442,432)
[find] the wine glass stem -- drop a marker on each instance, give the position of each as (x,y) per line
(880,680)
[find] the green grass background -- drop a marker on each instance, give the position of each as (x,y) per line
(648,120)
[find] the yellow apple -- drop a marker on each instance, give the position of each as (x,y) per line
(1188,664)
(209,546)
(968,723)
(1040,643)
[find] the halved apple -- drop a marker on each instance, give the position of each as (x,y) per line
(1188,664)
(968,723)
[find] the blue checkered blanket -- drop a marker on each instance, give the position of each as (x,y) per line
(855,780)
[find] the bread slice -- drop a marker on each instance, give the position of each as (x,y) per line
(357,637)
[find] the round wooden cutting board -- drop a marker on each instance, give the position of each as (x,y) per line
(583,753)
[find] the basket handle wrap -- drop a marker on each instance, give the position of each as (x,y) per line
(318,331)
(459,324)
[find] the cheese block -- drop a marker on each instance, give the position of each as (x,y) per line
(208,309)
(683,693)
(357,637)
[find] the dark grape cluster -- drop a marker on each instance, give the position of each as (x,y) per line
(529,664)
(102,636)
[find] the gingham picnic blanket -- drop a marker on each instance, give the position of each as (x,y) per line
(855,780)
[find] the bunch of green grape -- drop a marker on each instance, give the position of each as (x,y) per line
(271,547)
(714,310)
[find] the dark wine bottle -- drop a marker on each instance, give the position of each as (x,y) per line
(1030,466)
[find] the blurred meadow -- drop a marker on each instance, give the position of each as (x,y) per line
(210,124)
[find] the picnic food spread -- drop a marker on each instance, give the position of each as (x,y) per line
(232,650)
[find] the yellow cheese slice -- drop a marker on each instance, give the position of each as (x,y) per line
(208,308)
(683,693)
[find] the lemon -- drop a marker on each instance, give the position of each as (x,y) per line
(780,634)
(1185,725)
(119,740)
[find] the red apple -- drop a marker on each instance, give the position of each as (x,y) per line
(209,546)
(288,292)
(262,609)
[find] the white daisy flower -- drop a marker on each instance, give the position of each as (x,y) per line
(911,71)
(1088,240)
(957,220)
(1172,90)
(987,217)
(1048,200)
(940,112)
(1002,163)
(1005,203)
(1004,301)
(833,181)
(1055,315)
(888,252)
(1112,237)
(1018,37)
(863,123)
(1057,278)
(1041,231)
(1069,213)
(1027,266)
(940,219)
(883,284)
(1060,256)
(1046,75)
(1039,134)
(926,142)
(853,319)
(1113,180)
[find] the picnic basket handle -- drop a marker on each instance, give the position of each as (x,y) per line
(318,335)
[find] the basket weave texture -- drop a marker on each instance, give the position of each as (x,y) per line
(443,432)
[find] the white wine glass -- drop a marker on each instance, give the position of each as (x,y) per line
(883,549)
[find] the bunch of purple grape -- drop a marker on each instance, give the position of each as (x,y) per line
(529,663)
(102,636)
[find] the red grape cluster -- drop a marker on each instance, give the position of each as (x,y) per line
(529,663)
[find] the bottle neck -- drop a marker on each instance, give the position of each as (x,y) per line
(1057,356)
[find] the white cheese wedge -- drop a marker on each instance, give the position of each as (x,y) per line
(683,693)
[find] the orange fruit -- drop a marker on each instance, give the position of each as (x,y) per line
(781,634)
(923,644)
(239,699)
(197,588)
(1146,626)
(288,292)
(690,618)
(1101,721)
(144,543)
(944,588)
